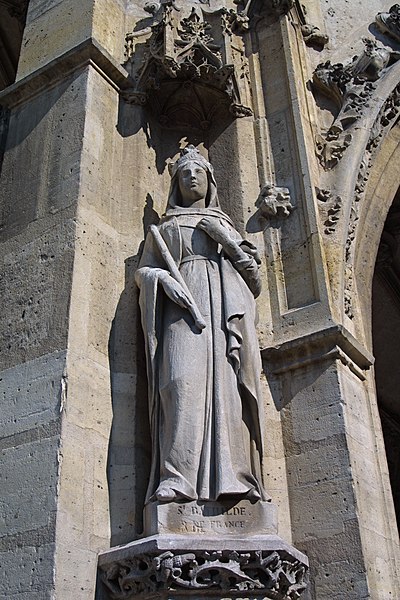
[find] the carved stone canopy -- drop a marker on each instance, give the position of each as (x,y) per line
(190,66)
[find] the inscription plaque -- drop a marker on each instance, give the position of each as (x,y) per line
(212,518)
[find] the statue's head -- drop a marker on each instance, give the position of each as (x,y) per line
(192,179)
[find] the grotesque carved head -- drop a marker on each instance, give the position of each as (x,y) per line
(274,201)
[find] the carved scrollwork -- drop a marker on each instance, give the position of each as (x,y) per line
(190,66)
(350,87)
(274,201)
(274,574)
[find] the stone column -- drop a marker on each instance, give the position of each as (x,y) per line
(334,462)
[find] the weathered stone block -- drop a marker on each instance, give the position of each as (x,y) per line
(31,395)
(36,287)
(27,573)
(29,471)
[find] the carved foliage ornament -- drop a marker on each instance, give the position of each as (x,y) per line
(387,117)
(350,87)
(272,574)
(330,206)
(191,65)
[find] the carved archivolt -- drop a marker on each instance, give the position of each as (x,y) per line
(350,86)
(190,65)
(265,574)
(354,87)
(387,117)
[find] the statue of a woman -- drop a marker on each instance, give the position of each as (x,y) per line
(198,279)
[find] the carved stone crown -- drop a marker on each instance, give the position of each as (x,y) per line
(189,154)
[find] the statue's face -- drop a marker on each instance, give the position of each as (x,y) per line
(193,183)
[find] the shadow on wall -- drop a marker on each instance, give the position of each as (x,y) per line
(47,161)
(129,450)
(167,139)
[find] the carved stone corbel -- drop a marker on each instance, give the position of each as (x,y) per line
(189,66)
(274,202)
(312,35)
(151,572)
(349,86)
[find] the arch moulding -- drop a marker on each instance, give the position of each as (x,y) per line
(366,179)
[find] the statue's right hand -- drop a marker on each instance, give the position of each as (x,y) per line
(175,291)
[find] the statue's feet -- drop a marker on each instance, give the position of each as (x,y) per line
(165,494)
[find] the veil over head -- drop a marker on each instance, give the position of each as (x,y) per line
(188,155)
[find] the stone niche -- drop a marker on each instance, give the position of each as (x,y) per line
(209,525)
(188,67)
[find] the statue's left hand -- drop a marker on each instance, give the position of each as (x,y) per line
(215,230)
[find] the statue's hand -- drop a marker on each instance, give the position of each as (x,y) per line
(215,230)
(174,290)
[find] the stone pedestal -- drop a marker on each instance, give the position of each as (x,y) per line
(197,566)
(218,550)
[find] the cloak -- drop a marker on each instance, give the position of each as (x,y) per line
(204,386)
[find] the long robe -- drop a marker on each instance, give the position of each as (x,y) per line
(203,386)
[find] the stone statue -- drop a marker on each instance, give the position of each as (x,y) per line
(198,279)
